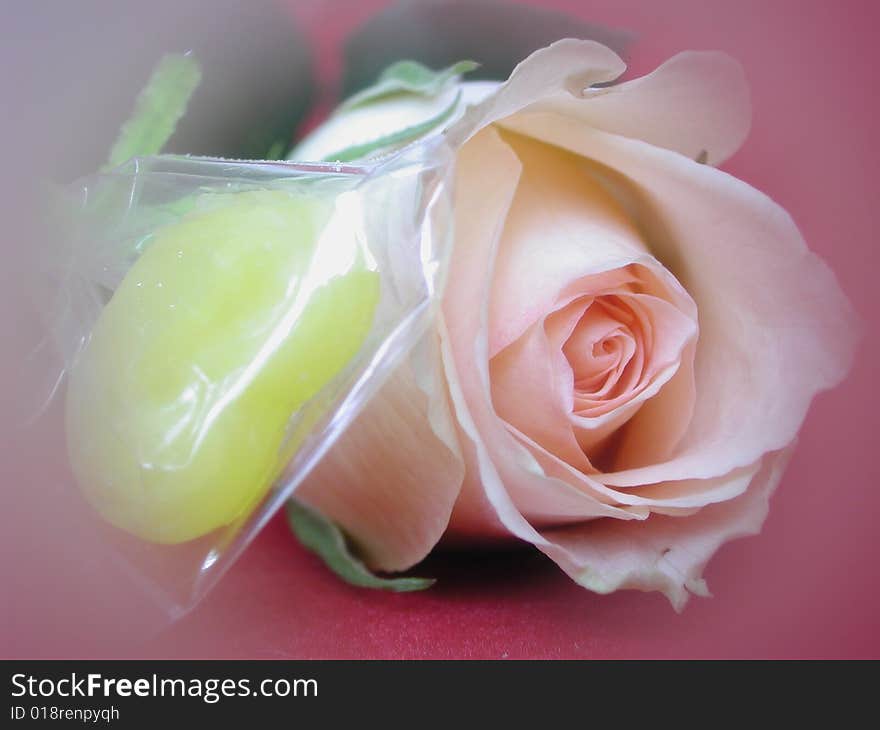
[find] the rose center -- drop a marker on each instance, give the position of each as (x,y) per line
(606,353)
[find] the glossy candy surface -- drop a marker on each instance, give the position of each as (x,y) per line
(179,405)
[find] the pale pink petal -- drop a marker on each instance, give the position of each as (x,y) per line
(546,500)
(487,175)
(775,328)
(656,429)
(680,497)
(558,326)
(599,350)
(663,335)
(486,178)
(696,102)
(563,226)
(663,553)
(528,394)
(692,494)
(392,478)
(569,65)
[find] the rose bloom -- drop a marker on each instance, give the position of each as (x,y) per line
(629,338)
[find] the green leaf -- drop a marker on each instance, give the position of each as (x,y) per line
(402,136)
(325,539)
(159,107)
(409,77)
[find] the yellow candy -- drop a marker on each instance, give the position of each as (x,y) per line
(178,407)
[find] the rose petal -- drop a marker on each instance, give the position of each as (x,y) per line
(598,372)
(680,497)
(563,226)
(391,480)
(662,420)
(696,102)
(568,64)
(663,553)
(558,327)
(528,394)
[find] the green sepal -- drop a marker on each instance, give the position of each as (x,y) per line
(400,137)
(325,539)
(159,107)
(409,77)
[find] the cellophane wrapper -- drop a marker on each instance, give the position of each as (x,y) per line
(392,216)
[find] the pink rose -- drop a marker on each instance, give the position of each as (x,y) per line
(629,339)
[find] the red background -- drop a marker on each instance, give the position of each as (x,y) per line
(808,586)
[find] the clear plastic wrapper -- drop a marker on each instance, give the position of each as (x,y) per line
(220,323)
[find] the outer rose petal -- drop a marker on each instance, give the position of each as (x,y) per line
(681,497)
(527,394)
(775,328)
(694,102)
(568,65)
(663,553)
(392,478)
